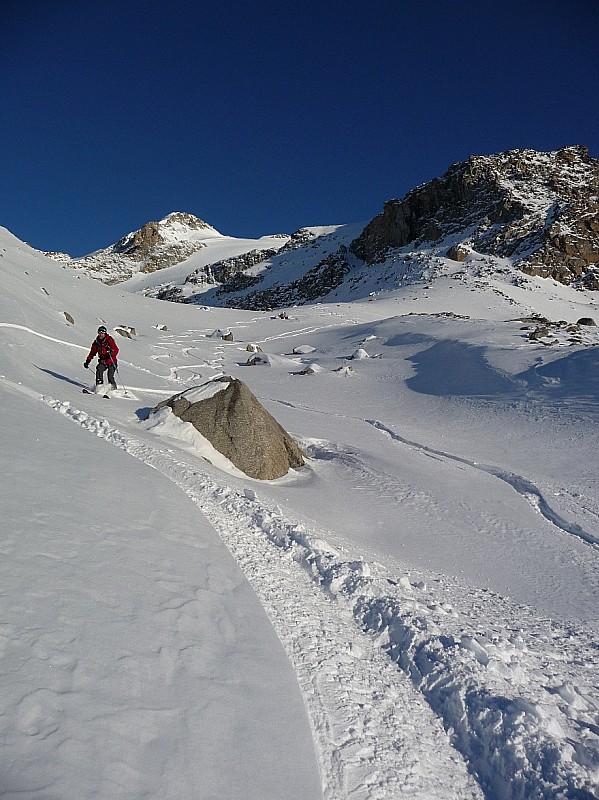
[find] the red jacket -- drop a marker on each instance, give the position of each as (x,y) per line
(106,349)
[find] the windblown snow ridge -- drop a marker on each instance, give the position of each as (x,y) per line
(523,718)
(522,485)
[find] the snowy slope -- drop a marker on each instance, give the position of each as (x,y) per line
(431,575)
(284,259)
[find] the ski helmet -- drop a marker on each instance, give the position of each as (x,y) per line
(102,329)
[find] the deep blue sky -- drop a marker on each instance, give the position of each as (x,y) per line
(262,117)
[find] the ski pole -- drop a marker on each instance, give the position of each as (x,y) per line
(120,381)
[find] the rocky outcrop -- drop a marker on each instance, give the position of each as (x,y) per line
(458,253)
(539,209)
(317,282)
(239,427)
(229,268)
(540,329)
(138,244)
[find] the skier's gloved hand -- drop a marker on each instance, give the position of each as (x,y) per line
(86,364)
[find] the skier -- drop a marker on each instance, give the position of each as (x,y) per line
(107,350)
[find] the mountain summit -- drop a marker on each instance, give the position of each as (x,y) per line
(155,245)
(175,229)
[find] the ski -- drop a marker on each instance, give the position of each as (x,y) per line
(90,391)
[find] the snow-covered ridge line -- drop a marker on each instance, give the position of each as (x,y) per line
(41,335)
(519,735)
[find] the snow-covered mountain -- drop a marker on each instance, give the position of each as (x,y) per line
(518,213)
(158,245)
(412,613)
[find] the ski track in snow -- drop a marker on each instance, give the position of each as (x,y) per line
(351,690)
(517,714)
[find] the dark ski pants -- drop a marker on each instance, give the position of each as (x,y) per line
(100,374)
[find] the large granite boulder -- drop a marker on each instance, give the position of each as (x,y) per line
(235,423)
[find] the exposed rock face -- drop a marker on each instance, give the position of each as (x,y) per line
(540,209)
(240,428)
(229,268)
(316,282)
(139,243)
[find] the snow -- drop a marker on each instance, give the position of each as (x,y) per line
(413,613)
(203,392)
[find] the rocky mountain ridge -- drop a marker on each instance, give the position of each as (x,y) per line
(221,282)
(521,212)
(541,210)
(223,271)
(518,213)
